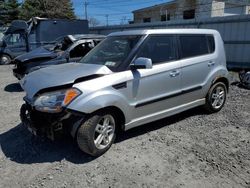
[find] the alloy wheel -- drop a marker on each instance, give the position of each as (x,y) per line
(104,132)
(218,97)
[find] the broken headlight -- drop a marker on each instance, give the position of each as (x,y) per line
(53,102)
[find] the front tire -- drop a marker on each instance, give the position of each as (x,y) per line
(97,133)
(216,97)
(5,60)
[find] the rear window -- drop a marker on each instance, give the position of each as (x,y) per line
(196,45)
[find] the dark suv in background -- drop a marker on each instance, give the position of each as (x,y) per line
(22,37)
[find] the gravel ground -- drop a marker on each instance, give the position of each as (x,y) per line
(191,149)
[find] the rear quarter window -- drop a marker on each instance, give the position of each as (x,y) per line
(196,45)
(211,43)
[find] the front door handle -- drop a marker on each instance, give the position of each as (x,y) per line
(174,73)
(211,63)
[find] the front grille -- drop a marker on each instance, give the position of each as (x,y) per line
(19,67)
(41,119)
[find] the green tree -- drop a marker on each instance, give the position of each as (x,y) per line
(13,10)
(9,11)
(48,9)
(2,11)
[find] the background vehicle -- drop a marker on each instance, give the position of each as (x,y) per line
(2,30)
(22,37)
(245,78)
(70,48)
(129,79)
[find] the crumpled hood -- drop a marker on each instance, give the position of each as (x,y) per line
(40,52)
(59,75)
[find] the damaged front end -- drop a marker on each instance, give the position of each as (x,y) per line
(53,126)
(50,91)
(48,116)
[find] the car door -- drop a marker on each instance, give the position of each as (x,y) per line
(156,90)
(197,61)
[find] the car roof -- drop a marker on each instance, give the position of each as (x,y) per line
(87,36)
(164,31)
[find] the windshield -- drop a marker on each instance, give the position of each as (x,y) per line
(14,39)
(112,52)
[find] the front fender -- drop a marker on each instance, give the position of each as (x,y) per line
(98,100)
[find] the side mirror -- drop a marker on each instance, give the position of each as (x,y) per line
(3,43)
(142,63)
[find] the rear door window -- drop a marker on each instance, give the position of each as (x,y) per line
(159,48)
(193,45)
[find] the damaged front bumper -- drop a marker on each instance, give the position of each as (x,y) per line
(18,71)
(52,126)
(17,74)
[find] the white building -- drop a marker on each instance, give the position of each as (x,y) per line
(191,9)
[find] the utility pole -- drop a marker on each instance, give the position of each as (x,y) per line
(107,19)
(85,9)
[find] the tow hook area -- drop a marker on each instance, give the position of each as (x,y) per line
(43,124)
(52,126)
(25,118)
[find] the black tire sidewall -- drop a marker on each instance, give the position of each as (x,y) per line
(209,97)
(92,122)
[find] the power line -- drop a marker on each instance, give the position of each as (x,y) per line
(175,12)
(107,19)
(85,9)
(181,9)
(185,8)
(111,14)
(108,8)
(124,1)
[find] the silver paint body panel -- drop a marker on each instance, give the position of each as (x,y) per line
(57,75)
(168,93)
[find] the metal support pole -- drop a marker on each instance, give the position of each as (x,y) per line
(85,9)
(107,19)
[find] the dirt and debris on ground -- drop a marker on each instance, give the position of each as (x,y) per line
(191,149)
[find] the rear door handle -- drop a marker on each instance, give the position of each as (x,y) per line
(211,63)
(174,73)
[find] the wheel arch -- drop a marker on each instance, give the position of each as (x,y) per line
(113,109)
(223,80)
(117,112)
(6,53)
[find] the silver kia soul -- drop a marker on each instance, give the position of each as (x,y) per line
(129,79)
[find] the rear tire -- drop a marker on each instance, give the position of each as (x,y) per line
(5,60)
(97,133)
(216,97)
